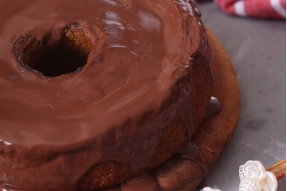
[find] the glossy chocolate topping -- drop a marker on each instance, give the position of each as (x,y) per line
(176,173)
(214,107)
(140,49)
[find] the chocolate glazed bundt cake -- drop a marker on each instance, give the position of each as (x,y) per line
(94,93)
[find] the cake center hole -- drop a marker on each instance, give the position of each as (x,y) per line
(66,55)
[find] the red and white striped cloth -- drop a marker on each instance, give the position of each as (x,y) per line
(254,8)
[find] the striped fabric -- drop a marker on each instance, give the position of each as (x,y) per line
(254,8)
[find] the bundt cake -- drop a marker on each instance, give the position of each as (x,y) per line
(94,93)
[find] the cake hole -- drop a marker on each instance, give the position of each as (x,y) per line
(67,55)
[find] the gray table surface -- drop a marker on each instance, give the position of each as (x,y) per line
(257,48)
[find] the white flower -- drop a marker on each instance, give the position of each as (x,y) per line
(254,177)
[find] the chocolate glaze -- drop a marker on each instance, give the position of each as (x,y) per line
(169,169)
(214,107)
(54,129)
(144,183)
(179,164)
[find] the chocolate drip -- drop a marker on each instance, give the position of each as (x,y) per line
(174,174)
(143,183)
(214,107)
